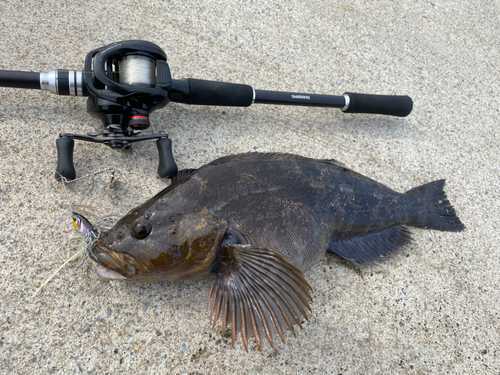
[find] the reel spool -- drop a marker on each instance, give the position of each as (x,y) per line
(137,70)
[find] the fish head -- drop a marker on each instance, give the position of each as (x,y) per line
(163,244)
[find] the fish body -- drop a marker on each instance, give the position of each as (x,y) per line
(257,222)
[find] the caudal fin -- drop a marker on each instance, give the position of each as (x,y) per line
(436,211)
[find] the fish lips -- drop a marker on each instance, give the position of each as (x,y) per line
(108,268)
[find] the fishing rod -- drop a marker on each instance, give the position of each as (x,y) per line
(126,81)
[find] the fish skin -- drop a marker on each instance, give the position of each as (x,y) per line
(287,208)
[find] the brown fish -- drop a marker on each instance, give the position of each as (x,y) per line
(257,221)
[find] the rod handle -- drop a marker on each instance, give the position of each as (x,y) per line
(392,105)
(219,93)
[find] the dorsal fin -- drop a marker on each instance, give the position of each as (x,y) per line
(178,179)
(181,175)
(262,155)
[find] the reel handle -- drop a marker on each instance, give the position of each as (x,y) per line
(66,144)
(166,166)
(65,167)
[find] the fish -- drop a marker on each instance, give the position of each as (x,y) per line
(254,223)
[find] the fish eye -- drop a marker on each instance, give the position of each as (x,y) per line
(142,229)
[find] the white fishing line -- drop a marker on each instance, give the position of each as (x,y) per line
(137,70)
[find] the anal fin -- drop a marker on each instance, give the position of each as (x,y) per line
(368,247)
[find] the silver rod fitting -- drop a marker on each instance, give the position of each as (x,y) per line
(63,82)
(347,102)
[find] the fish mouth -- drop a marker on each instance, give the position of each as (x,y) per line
(110,267)
(109,274)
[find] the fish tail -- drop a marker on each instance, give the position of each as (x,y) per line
(435,210)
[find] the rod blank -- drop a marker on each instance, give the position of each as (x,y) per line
(295,98)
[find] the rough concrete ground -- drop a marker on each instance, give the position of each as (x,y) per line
(433,308)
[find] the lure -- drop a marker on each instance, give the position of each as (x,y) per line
(82,224)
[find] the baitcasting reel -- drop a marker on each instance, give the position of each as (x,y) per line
(126,81)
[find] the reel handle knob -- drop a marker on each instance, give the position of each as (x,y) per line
(166,166)
(65,167)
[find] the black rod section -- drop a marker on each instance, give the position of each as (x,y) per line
(20,80)
(204,92)
(295,98)
(392,105)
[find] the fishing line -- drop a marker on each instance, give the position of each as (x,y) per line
(64,181)
(90,235)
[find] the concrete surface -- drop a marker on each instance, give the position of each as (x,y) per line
(433,308)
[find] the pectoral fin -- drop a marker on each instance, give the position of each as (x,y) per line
(258,293)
